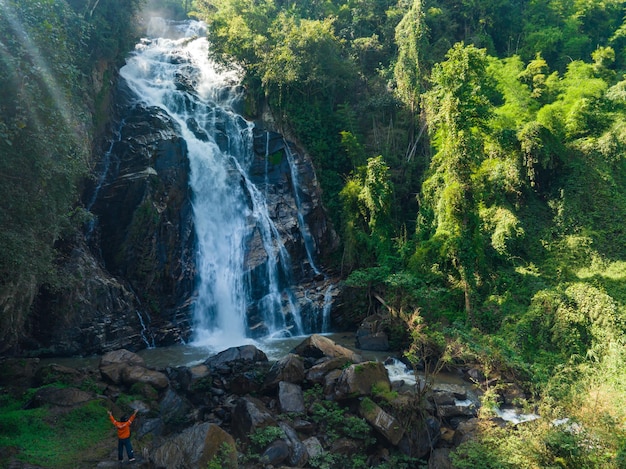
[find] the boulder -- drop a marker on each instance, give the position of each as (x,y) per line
(317,372)
(457,410)
(113,372)
(138,374)
(275,453)
(455,390)
(289,369)
(313,447)
(421,439)
(298,455)
(54,373)
(346,446)
(358,380)
(244,353)
(290,397)
(248,382)
(369,335)
(18,371)
(63,397)
(385,424)
(378,341)
(318,346)
(173,408)
(466,430)
(440,459)
(195,447)
(249,415)
(113,364)
(121,356)
(330,382)
(219,446)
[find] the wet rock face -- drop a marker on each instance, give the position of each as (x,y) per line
(145,219)
(137,267)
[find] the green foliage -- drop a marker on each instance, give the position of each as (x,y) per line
(335,423)
(223,459)
(47,56)
(262,437)
(37,435)
(513,176)
(411,39)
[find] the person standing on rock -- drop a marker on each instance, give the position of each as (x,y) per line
(123,435)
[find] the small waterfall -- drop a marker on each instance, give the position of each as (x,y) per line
(144,331)
(304,230)
(171,70)
(103,174)
(328,297)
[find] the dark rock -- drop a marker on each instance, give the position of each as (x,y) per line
(63,397)
(440,459)
(370,336)
(244,353)
(317,373)
(113,372)
(153,426)
(421,439)
(188,449)
(304,426)
(276,453)
(466,430)
(18,371)
(249,415)
(290,397)
(54,373)
(298,455)
(174,409)
(330,382)
(248,382)
(346,446)
(290,369)
(377,341)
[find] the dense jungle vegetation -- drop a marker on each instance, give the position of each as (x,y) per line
(471,152)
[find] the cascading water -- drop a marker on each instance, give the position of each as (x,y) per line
(173,72)
(306,236)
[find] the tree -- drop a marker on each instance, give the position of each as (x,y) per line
(411,39)
(457,107)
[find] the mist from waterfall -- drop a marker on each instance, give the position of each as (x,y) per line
(172,70)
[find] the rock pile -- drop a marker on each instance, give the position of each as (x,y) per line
(321,402)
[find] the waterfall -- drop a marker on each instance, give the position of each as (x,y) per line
(304,231)
(103,173)
(328,296)
(144,331)
(171,70)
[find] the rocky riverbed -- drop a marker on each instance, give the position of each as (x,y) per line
(321,405)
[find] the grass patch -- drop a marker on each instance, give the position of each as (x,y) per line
(48,437)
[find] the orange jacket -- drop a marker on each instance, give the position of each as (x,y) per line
(123,428)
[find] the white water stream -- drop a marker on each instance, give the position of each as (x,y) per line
(171,70)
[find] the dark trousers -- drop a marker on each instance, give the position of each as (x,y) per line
(124,443)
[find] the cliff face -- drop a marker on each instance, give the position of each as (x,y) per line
(135,272)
